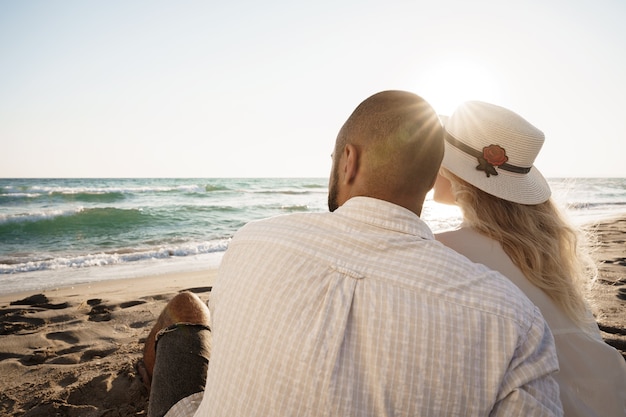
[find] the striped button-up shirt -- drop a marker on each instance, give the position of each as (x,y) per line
(360,312)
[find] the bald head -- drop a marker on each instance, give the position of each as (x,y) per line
(390,148)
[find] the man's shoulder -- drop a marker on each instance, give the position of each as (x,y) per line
(480,287)
(286,219)
(289,224)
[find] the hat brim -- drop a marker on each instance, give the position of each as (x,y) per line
(530,188)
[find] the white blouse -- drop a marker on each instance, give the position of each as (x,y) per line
(592,376)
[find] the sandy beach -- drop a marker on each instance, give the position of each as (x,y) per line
(72,351)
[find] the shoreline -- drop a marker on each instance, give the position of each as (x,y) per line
(172,281)
(72,351)
(44,281)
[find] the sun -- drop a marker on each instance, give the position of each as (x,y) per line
(446,84)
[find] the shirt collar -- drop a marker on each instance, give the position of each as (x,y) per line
(385,215)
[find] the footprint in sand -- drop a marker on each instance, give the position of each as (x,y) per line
(197,290)
(100,312)
(108,391)
(141,324)
(40,301)
(68,380)
(158,297)
(97,353)
(37,357)
(72,349)
(133,303)
(67,337)
(17,321)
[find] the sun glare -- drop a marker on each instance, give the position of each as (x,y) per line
(447,84)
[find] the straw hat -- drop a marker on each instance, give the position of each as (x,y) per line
(494,149)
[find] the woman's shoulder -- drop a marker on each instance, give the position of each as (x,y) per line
(467,241)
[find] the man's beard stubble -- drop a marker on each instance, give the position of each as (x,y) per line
(332,192)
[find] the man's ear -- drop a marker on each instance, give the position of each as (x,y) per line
(351,166)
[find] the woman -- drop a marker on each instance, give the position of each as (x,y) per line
(511,225)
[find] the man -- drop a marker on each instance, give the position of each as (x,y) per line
(360,311)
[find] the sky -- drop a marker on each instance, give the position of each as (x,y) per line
(260,89)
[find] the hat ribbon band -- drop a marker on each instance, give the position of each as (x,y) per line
(478,154)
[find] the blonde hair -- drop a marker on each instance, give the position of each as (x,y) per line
(551,254)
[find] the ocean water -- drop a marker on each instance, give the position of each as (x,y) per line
(60,232)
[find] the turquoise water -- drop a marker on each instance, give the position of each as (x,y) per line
(56,232)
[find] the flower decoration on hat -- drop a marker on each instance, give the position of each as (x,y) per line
(492,156)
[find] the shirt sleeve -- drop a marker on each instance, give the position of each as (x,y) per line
(186,407)
(528,388)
